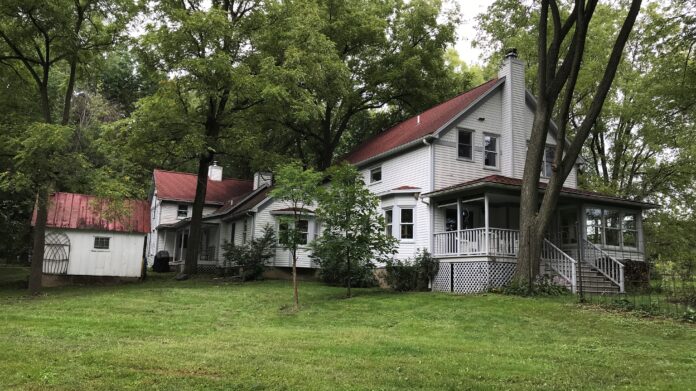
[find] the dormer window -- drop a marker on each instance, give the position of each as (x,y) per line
(465,145)
(182,211)
(376,175)
(490,151)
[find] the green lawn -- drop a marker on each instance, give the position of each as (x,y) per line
(207,334)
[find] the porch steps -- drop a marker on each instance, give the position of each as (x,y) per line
(593,281)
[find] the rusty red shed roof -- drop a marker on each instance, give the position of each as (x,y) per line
(82,211)
(418,126)
(181,186)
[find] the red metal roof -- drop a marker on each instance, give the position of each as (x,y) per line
(81,211)
(407,187)
(504,180)
(181,186)
(414,128)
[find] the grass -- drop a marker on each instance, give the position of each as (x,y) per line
(211,334)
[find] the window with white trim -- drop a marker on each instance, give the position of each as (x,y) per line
(490,151)
(547,163)
(406,223)
(465,144)
(629,230)
(376,175)
(182,211)
(101,242)
(389,220)
(233,229)
(245,228)
(302,230)
(611,227)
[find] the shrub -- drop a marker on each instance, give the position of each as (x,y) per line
(334,270)
(251,257)
(412,275)
(541,286)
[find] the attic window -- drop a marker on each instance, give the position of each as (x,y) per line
(101,243)
(182,211)
(376,175)
(464,145)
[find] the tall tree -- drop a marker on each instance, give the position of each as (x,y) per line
(211,59)
(38,40)
(557,76)
(342,59)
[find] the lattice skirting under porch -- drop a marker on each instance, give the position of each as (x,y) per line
(472,277)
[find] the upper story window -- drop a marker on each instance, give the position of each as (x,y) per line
(465,144)
(406,223)
(101,243)
(182,211)
(389,220)
(376,175)
(490,151)
(547,163)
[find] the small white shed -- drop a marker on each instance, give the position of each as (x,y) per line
(88,236)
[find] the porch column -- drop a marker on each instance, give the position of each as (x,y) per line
(181,245)
(458,238)
(486,216)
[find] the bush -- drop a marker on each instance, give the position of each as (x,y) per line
(542,286)
(331,255)
(251,257)
(412,275)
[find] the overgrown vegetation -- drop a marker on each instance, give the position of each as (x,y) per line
(251,257)
(541,286)
(414,274)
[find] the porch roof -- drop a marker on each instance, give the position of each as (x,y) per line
(507,183)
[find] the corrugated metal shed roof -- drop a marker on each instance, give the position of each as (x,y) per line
(82,211)
(181,186)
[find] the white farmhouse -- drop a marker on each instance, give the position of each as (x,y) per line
(449,181)
(86,236)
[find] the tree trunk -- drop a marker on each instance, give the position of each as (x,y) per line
(36,273)
(194,238)
(295,293)
(350,294)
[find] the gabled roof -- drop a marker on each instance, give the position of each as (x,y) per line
(181,186)
(419,126)
(515,183)
(81,211)
(243,204)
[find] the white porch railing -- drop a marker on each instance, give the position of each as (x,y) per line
(503,242)
(607,265)
(561,263)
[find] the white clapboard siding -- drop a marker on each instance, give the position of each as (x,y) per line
(122,259)
(412,168)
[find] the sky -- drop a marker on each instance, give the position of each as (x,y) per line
(467,31)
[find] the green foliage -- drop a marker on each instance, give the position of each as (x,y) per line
(251,257)
(339,61)
(353,235)
(412,274)
(43,156)
(297,188)
(541,286)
